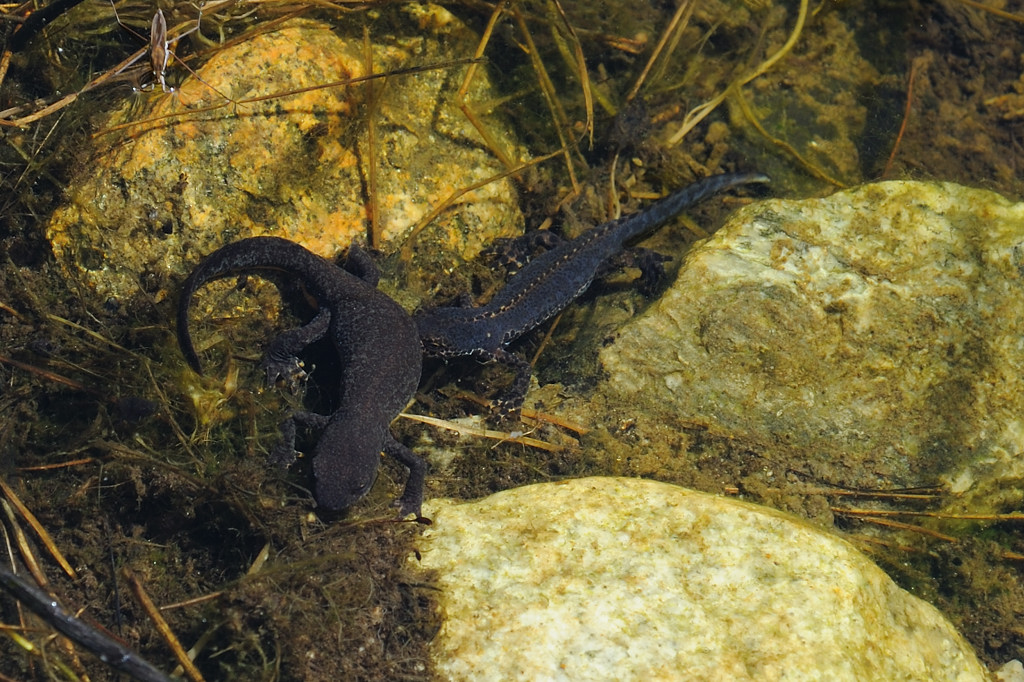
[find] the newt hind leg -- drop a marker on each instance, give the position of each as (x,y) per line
(283,455)
(513,253)
(652,272)
(509,403)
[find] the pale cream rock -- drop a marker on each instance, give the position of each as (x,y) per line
(628,579)
(1011,671)
(879,331)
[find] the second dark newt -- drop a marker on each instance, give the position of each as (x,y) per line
(381,360)
(550,282)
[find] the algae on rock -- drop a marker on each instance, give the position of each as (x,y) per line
(875,334)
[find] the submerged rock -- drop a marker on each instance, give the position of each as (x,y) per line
(229,156)
(626,579)
(874,337)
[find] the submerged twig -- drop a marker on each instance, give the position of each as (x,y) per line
(112,653)
(48,375)
(372,98)
(1012,516)
(914,66)
(889,523)
(528,414)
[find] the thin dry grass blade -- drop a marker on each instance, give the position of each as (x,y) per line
(700,113)
(550,97)
(811,168)
(675,28)
(24,548)
(460,96)
(580,62)
(458,194)
(191,671)
(466,430)
(41,532)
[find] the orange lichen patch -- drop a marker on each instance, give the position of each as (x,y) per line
(253,145)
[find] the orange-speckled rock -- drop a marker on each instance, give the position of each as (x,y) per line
(229,156)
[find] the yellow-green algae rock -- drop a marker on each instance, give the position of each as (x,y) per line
(874,337)
(629,579)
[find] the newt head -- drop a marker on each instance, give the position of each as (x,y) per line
(345,464)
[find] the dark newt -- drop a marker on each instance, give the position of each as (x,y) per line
(550,282)
(381,362)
